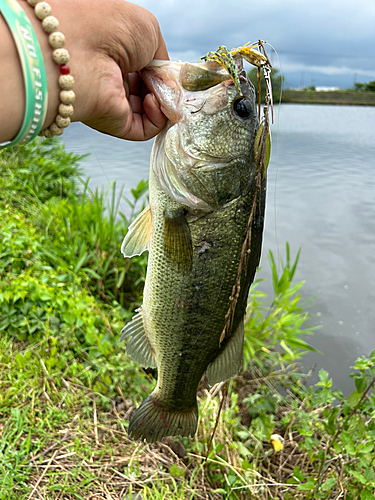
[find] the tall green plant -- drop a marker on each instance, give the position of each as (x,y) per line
(83,227)
(37,172)
(277,327)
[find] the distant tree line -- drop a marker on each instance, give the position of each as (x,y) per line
(365,87)
(277,80)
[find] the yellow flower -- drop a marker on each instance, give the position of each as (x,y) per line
(277,442)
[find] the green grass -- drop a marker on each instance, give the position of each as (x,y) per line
(67,388)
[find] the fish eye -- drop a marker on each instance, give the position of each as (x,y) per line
(242,107)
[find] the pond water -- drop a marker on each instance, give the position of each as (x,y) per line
(321,197)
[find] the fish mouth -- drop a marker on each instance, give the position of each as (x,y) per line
(162,79)
(173,83)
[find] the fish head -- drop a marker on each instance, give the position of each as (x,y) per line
(204,156)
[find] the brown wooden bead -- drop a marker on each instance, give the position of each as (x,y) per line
(61,121)
(55,129)
(66,110)
(56,40)
(60,56)
(46,133)
(66,82)
(67,96)
(50,24)
(42,10)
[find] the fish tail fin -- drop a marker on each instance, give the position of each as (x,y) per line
(153,421)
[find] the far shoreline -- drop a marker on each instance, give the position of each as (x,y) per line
(336,97)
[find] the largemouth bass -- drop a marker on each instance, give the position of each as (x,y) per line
(203,229)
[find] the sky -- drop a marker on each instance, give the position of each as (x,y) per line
(318,42)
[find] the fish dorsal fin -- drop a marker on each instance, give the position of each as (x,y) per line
(178,246)
(138,235)
(139,347)
(229,361)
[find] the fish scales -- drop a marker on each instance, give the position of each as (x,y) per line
(196,303)
(203,183)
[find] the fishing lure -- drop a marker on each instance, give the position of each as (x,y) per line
(254,54)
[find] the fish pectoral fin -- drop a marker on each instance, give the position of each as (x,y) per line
(229,361)
(138,235)
(178,246)
(139,347)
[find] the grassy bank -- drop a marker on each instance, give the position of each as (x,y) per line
(67,388)
(339,97)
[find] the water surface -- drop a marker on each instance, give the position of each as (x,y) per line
(321,197)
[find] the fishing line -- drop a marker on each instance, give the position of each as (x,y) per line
(101,166)
(109,182)
(277,145)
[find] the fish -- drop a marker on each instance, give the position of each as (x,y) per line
(203,229)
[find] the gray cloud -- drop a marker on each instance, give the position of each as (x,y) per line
(327,40)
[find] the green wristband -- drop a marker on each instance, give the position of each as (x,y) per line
(33,70)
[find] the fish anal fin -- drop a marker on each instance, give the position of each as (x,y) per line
(138,235)
(152,421)
(229,361)
(178,246)
(138,347)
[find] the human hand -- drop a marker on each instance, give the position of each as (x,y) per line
(108,43)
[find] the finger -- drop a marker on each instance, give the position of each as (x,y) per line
(153,116)
(162,52)
(136,104)
(141,127)
(136,85)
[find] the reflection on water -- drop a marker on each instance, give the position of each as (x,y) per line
(321,196)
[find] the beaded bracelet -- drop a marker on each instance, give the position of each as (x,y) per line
(33,70)
(61,57)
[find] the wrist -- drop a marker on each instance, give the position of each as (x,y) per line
(26,60)
(12,104)
(52,69)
